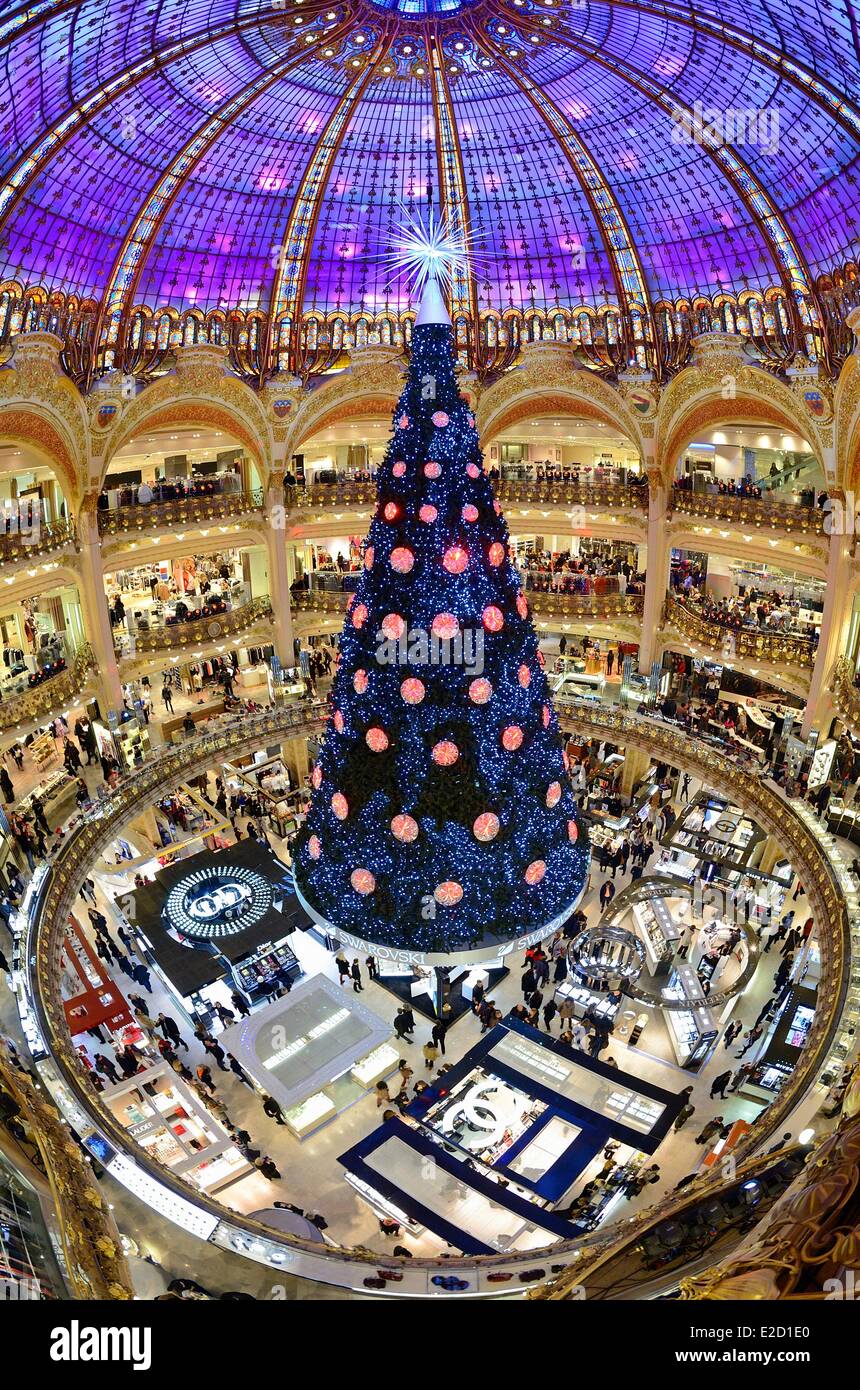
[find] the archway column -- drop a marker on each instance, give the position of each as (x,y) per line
(838,600)
(95,609)
(657,575)
(279,580)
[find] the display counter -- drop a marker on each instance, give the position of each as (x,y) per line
(657,931)
(308,1115)
(692,1032)
(172,728)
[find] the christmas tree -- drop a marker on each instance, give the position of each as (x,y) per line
(441,817)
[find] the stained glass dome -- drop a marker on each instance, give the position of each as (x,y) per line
(238,155)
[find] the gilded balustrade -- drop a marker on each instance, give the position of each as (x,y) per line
(38,539)
(779,648)
(755,513)
(545,605)
(52,694)
(572,494)
(231,738)
(198,631)
(181,511)
(94,1261)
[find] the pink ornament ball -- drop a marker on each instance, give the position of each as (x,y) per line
(362,881)
(448,894)
(440,419)
(393,626)
(497,507)
(337,720)
(403,422)
(445,626)
(535,871)
(376,740)
(512,737)
(470,513)
(486,827)
(545,716)
(399,469)
(359,615)
(445,753)
(405,829)
(480,691)
(496,554)
(493,618)
(340,806)
(572,830)
(455,559)
(522,606)
(412,690)
(473,470)
(432,470)
(427,514)
(524,676)
(314,847)
(359,682)
(402,559)
(391,511)
(553,794)
(316,777)
(368,557)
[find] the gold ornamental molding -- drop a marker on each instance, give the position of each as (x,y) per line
(186,511)
(779,649)
(175,763)
(215,628)
(52,695)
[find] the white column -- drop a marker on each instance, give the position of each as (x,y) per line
(95,610)
(657,579)
(279,582)
(838,600)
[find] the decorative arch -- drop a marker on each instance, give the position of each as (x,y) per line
(183,411)
(520,395)
(24,425)
(371,387)
(847,428)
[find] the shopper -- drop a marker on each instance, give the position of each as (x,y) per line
(372,967)
(550,1009)
(440,1029)
(683,1116)
(382,1094)
(607,893)
(751,1037)
(431,1053)
(355,971)
(170,1028)
(167,697)
(710,1130)
(240,1004)
(273,1110)
(239,1071)
(268,1168)
(719,1084)
(204,1076)
(343,968)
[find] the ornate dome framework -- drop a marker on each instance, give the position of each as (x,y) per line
(175,169)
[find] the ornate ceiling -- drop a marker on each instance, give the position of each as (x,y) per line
(234,153)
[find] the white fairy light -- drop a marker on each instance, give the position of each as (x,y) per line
(433,249)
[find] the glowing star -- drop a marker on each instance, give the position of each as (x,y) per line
(316,777)
(393,627)
(431,249)
(362,881)
(535,871)
(512,737)
(553,794)
(522,606)
(524,676)
(445,754)
(412,690)
(337,720)
(340,806)
(470,513)
(572,830)
(432,470)
(473,470)
(359,615)
(399,469)
(376,740)
(427,514)
(486,827)
(368,557)
(455,559)
(391,511)
(480,691)
(448,894)
(493,618)
(440,419)
(314,847)
(402,559)
(445,626)
(403,422)
(496,554)
(404,829)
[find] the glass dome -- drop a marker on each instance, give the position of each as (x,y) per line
(219,155)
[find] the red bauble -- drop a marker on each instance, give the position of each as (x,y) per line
(376,740)
(359,615)
(522,606)
(359,682)
(399,469)
(412,690)
(402,559)
(362,881)
(316,777)
(340,806)
(404,829)
(445,753)
(455,559)
(403,422)
(512,737)
(393,626)
(432,470)
(473,470)
(480,691)
(448,894)
(391,511)
(493,618)
(445,626)
(368,557)
(486,827)
(439,418)
(314,847)
(572,830)
(427,514)
(337,720)
(545,716)
(496,553)
(470,513)
(553,794)
(535,871)
(524,676)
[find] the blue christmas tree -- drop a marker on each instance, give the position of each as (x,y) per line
(442,817)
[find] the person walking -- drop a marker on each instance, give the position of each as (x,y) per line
(170,1028)
(683,1116)
(719,1084)
(607,893)
(106,1067)
(550,1009)
(431,1053)
(215,1050)
(273,1110)
(239,1071)
(140,975)
(268,1168)
(240,1003)
(438,1034)
(343,969)
(372,967)
(204,1076)
(732,1032)
(710,1130)
(383,1096)
(751,1037)
(167,697)
(355,972)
